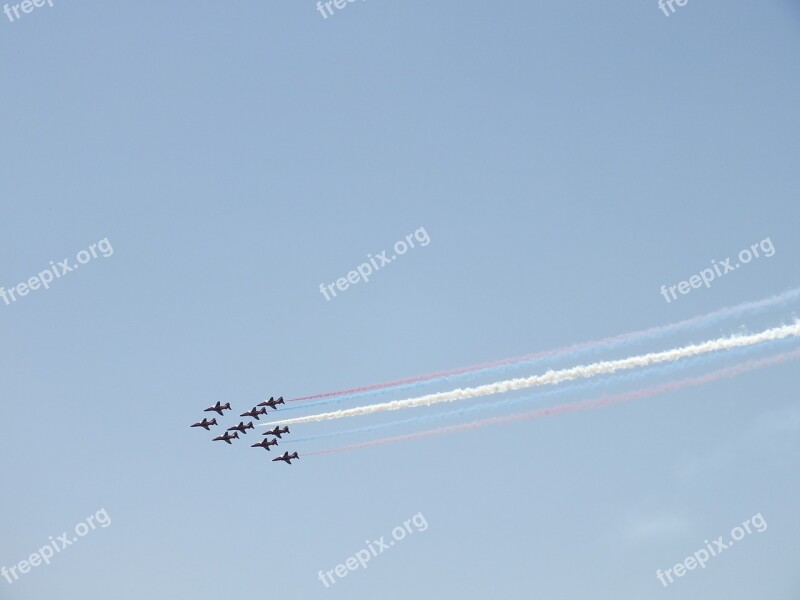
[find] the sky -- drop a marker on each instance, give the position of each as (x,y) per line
(565,160)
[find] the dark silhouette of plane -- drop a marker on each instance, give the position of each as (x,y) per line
(218,408)
(241,427)
(205,423)
(287,457)
(265,443)
(254,412)
(277,432)
(226,437)
(272,403)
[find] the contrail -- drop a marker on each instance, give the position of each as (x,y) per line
(667,369)
(576,406)
(554,377)
(609,342)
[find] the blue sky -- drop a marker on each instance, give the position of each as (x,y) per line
(565,160)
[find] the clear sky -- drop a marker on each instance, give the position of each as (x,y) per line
(566,159)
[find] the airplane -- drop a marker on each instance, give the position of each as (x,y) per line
(226,437)
(265,443)
(277,432)
(254,412)
(205,423)
(218,407)
(287,457)
(272,403)
(241,427)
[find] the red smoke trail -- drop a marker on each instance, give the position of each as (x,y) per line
(786,296)
(725,373)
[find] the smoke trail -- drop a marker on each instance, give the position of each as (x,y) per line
(608,343)
(576,406)
(661,370)
(555,377)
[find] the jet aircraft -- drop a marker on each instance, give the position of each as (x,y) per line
(277,432)
(218,408)
(272,403)
(205,424)
(241,427)
(227,437)
(265,443)
(287,457)
(253,413)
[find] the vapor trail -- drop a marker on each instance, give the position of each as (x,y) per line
(667,369)
(554,377)
(576,406)
(609,342)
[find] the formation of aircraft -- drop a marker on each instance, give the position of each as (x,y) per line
(277,432)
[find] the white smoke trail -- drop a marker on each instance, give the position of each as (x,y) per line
(554,377)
